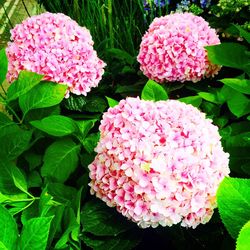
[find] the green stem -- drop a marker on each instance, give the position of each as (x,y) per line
(14,113)
(111,32)
(3,90)
(25,207)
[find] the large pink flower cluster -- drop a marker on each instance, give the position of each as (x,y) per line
(57,47)
(158,163)
(173,49)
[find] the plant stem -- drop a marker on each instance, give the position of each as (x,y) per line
(111,32)
(14,113)
(3,90)
(25,7)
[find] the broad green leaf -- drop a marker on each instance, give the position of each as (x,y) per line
(85,126)
(121,55)
(241,85)
(243,33)
(213,96)
(239,104)
(243,240)
(14,143)
(8,232)
(77,208)
(12,197)
(18,207)
(33,159)
(7,125)
(95,103)
(30,212)
(3,65)
(111,102)
(19,179)
(124,241)
(39,114)
(238,149)
(233,199)
(56,125)
(34,179)
(193,100)
(35,234)
(60,160)
(99,219)
(221,121)
(7,185)
(90,142)
(43,95)
(75,103)
(212,110)
(71,224)
(154,92)
(26,81)
(229,54)
(61,193)
(2,246)
(49,207)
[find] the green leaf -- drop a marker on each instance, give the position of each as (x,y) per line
(95,103)
(239,104)
(14,143)
(2,246)
(56,125)
(99,219)
(85,126)
(125,241)
(154,92)
(33,159)
(31,212)
(35,233)
(243,33)
(121,55)
(75,103)
(241,85)
(7,185)
(237,147)
(26,81)
(229,54)
(3,65)
(9,232)
(60,160)
(71,224)
(243,240)
(213,96)
(90,142)
(61,193)
(234,203)
(193,100)
(19,179)
(111,102)
(44,94)
(6,125)
(34,179)
(39,114)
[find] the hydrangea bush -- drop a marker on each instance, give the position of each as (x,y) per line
(173,49)
(158,163)
(161,160)
(58,48)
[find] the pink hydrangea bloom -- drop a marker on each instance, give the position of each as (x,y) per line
(173,49)
(57,47)
(158,163)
